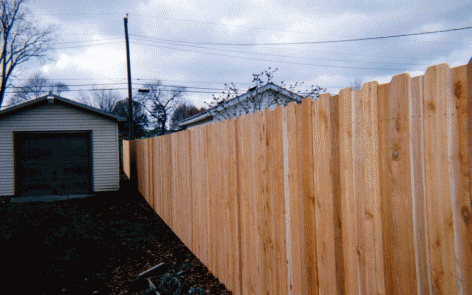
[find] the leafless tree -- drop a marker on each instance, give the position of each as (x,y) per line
(140,118)
(103,99)
(35,86)
(22,39)
(59,87)
(182,112)
(258,100)
(160,101)
(357,84)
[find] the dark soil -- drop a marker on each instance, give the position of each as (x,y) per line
(95,245)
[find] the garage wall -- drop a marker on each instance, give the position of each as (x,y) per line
(54,117)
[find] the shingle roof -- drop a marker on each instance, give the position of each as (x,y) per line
(50,98)
(269,86)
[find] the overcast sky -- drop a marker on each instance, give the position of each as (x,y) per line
(193,43)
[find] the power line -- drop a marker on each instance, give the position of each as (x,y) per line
(288,62)
(185,43)
(90,40)
(89,45)
(334,41)
(281,55)
(172,41)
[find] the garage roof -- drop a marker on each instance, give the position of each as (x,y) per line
(50,98)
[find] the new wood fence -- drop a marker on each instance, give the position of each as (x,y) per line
(365,192)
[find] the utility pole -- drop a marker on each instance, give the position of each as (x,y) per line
(130,98)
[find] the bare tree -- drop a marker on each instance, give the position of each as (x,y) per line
(160,101)
(257,99)
(182,112)
(140,118)
(357,84)
(35,86)
(103,99)
(59,87)
(22,39)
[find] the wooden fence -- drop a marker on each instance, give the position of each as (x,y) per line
(365,192)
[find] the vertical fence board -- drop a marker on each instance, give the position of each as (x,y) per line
(167,179)
(221,203)
(246,176)
(157,183)
(358,187)
(386,202)
(348,202)
(140,166)
(269,208)
(276,190)
(374,271)
(335,169)
(187,192)
(397,195)
(174,148)
(468,130)
(146,160)
(294,214)
(259,194)
(234,242)
(126,158)
(463,202)
(423,269)
(182,192)
(198,209)
(145,163)
(306,192)
(441,145)
(213,194)
(224,199)
(323,189)
(151,173)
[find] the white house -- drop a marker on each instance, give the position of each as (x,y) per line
(257,99)
(55,146)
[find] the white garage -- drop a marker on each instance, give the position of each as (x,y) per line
(55,146)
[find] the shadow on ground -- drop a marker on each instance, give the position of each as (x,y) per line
(95,245)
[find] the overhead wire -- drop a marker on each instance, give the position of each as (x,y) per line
(193,44)
(334,41)
(89,45)
(287,62)
(279,55)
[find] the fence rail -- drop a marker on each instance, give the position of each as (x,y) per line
(365,192)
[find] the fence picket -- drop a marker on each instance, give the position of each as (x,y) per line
(462,208)
(374,266)
(306,190)
(418,191)
(441,149)
(324,195)
(348,201)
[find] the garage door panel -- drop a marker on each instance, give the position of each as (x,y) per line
(73,185)
(56,187)
(49,172)
(39,150)
(53,163)
(36,188)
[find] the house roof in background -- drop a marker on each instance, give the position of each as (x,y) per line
(51,98)
(268,87)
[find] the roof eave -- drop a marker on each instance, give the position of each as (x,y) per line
(195,119)
(59,100)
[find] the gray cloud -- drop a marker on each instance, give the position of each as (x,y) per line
(336,65)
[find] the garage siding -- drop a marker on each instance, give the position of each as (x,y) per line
(54,117)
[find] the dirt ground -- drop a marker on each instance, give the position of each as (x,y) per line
(95,245)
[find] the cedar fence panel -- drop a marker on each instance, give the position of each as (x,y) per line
(365,192)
